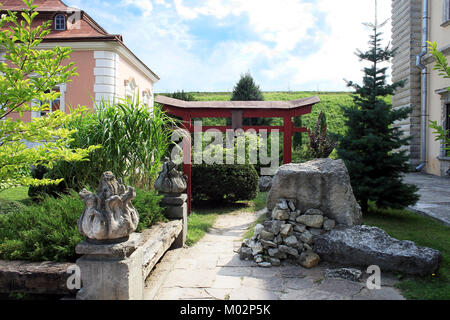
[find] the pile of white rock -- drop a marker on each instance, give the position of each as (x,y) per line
(287,236)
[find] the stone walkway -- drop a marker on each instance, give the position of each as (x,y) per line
(211,269)
(434,196)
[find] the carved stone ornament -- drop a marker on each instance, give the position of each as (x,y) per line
(170,180)
(108,215)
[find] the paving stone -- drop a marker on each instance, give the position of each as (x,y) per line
(272,284)
(226,282)
(298,283)
(253,294)
(190,279)
(234,261)
(385,293)
(265,273)
(341,287)
(291,271)
(182,294)
(203,262)
(218,294)
(234,271)
(311,294)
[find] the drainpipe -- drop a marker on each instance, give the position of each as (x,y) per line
(424,98)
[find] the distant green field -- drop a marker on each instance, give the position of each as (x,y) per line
(331,103)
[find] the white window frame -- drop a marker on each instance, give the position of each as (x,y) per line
(445,13)
(130,88)
(62,96)
(58,26)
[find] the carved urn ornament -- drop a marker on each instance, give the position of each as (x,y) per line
(109,214)
(170,180)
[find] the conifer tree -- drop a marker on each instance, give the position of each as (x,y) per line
(372,145)
(247,90)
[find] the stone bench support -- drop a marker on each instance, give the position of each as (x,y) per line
(118,271)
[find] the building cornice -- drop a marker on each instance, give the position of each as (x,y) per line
(429,57)
(115,46)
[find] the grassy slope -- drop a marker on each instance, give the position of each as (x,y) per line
(330,104)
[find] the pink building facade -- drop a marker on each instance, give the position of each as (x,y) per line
(107,68)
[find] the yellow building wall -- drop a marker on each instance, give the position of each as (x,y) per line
(440,34)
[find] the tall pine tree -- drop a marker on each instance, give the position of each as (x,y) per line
(371,147)
(247,90)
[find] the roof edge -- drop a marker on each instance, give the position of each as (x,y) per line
(294,104)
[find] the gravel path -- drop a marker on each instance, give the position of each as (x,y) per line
(211,269)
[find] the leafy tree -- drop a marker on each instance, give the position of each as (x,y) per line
(371,147)
(30,74)
(181,95)
(247,90)
(444,71)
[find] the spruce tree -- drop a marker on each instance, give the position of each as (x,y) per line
(372,145)
(247,90)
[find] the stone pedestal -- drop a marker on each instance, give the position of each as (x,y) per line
(111,271)
(176,209)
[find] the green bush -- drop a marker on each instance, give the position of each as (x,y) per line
(49,231)
(45,232)
(9,206)
(227,183)
(150,212)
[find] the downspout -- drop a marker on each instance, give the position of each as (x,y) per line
(424,95)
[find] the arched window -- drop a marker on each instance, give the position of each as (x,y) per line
(60,22)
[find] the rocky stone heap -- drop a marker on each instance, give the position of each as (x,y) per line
(287,236)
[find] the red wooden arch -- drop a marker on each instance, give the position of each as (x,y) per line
(188,110)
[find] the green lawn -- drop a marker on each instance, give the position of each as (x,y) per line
(15,194)
(204,215)
(405,225)
(14,199)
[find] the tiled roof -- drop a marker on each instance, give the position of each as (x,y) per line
(43,5)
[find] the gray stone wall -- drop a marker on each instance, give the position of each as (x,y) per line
(407,37)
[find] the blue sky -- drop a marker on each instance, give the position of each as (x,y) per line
(205,45)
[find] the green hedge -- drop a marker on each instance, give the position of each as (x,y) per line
(227,183)
(48,231)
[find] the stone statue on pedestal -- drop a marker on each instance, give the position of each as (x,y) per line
(170,180)
(109,214)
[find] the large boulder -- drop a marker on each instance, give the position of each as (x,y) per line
(322,184)
(365,246)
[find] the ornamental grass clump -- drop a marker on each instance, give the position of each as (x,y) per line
(133,137)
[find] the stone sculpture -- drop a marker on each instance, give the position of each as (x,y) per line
(170,180)
(108,215)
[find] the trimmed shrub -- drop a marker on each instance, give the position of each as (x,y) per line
(49,231)
(224,183)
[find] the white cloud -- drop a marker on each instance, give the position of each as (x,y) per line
(335,60)
(284,22)
(145,5)
(285,42)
